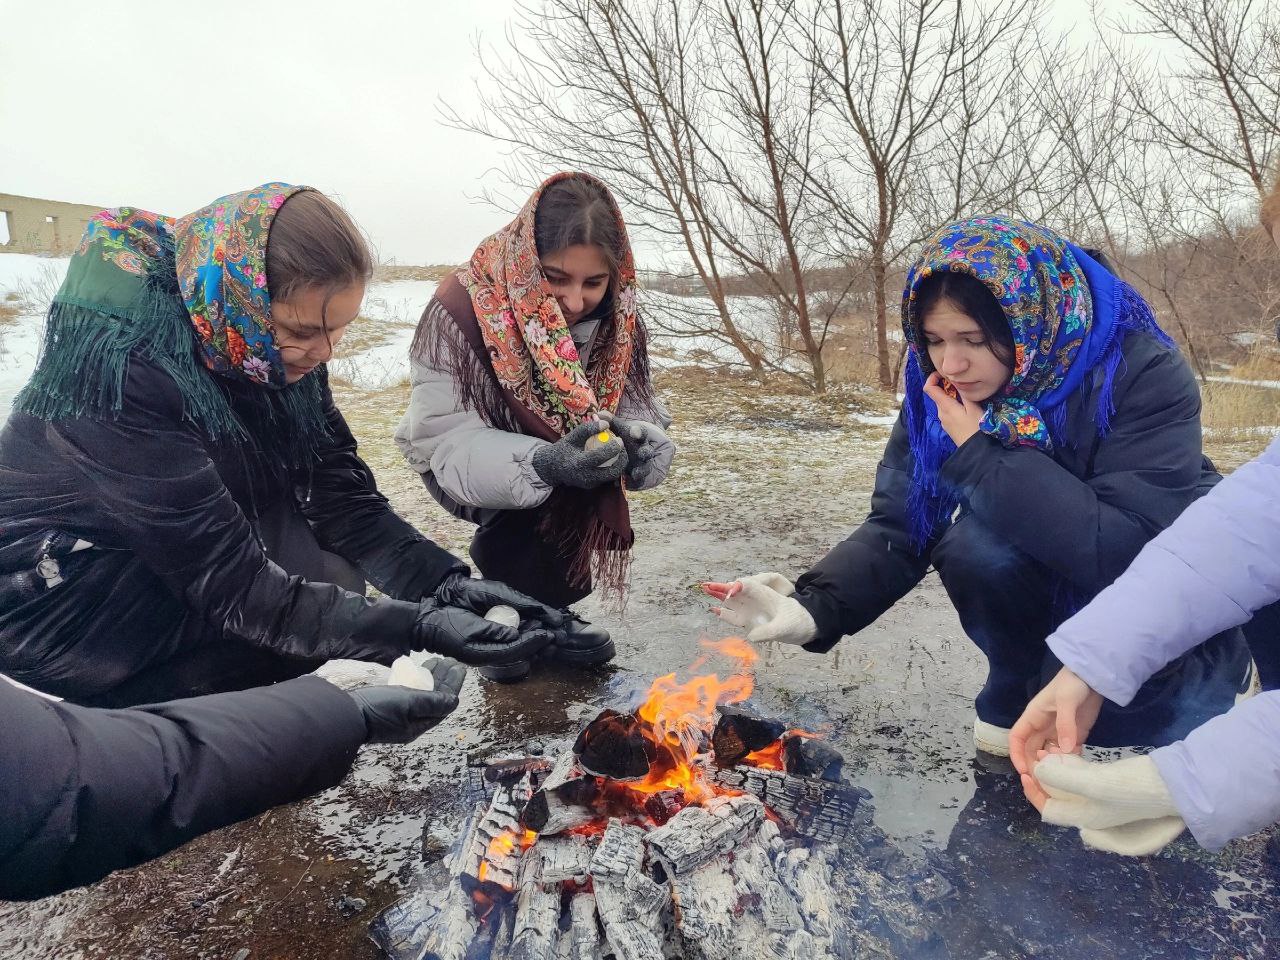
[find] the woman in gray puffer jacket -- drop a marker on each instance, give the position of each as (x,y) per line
(523,361)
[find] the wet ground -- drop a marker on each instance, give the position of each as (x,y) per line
(765,484)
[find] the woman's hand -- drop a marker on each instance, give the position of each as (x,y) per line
(1057,720)
(763,604)
(959,417)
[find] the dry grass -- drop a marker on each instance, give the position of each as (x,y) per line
(10,309)
(1240,419)
(390,272)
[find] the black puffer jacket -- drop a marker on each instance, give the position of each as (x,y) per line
(176,556)
(1084,512)
(84,791)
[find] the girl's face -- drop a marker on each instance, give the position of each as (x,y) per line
(962,353)
(579,278)
(307,330)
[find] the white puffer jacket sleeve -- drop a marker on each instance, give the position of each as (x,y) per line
(477,465)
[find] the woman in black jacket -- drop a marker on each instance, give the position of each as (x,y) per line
(182,508)
(1049,430)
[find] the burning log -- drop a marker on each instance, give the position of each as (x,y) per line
(616,745)
(454,929)
(484,780)
(741,731)
(808,878)
(664,805)
(630,904)
(537,925)
(816,809)
(697,835)
(491,851)
(563,801)
(737,899)
(582,940)
(563,859)
(811,757)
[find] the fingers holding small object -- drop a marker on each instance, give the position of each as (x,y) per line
(720,591)
(580,434)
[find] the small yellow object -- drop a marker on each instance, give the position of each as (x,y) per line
(603,436)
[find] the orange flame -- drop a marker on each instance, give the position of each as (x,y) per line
(504,844)
(681,716)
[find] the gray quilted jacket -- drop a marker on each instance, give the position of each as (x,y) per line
(481,466)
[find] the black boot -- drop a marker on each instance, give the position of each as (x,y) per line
(580,644)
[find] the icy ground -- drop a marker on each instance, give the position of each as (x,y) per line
(765,481)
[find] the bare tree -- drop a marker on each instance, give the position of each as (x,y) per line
(910,86)
(1213,89)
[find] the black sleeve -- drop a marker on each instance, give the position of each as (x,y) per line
(865,575)
(85,791)
(161,497)
(1144,473)
(352,519)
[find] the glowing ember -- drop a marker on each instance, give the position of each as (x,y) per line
(770,757)
(503,845)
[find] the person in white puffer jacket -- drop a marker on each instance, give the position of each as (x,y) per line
(522,361)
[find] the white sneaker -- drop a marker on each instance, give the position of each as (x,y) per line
(989,738)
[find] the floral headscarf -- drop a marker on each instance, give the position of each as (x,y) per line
(1067,315)
(531,349)
(189,295)
(1041,288)
(222,272)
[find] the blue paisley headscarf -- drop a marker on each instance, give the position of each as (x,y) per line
(222,272)
(1067,316)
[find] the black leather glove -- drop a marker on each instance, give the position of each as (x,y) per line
(566,463)
(452,623)
(401,714)
(481,596)
(642,440)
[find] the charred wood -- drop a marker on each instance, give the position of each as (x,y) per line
(810,757)
(616,745)
(816,809)
(740,731)
(697,835)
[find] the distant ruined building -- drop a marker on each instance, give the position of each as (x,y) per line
(32,225)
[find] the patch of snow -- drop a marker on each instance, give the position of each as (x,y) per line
(1264,384)
(398,305)
(28,282)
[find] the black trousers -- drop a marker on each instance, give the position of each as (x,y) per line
(1009,603)
(1263,634)
(207,662)
(508,546)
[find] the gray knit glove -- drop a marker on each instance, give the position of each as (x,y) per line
(644,441)
(566,463)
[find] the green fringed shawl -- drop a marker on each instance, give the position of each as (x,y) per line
(105,313)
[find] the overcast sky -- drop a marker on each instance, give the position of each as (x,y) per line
(166,104)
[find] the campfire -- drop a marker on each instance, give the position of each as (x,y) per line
(692,826)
